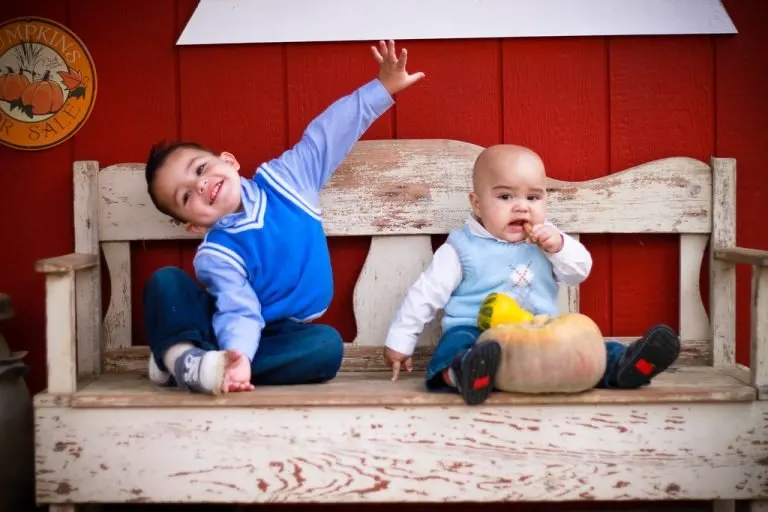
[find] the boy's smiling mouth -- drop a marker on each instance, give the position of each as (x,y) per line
(215,191)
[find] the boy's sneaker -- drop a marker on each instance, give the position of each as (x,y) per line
(647,357)
(475,371)
(201,370)
(158,376)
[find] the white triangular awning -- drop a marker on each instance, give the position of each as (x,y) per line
(277,21)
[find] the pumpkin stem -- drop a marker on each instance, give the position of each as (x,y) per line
(47,74)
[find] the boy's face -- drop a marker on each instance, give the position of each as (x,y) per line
(199,187)
(510,189)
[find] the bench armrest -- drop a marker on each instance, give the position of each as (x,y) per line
(743,255)
(66,263)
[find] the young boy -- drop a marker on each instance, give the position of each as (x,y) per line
(492,252)
(264,260)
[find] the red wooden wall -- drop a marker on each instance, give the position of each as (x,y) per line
(590,106)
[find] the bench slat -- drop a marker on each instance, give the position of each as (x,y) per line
(368,358)
(400,454)
(680,384)
(422,186)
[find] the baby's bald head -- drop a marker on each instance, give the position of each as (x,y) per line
(509,189)
(507,160)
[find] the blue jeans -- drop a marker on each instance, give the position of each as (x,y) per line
(177,309)
(458,339)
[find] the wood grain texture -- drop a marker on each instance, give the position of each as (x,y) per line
(117,321)
(394,263)
(368,454)
(742,107)
(66,263)
(87,284)
(661,104)
(368,357)
(722,291)
(422,186)
(60,332)
(682,384)
(743,255)
(694,321)
(567,126)
(759,331)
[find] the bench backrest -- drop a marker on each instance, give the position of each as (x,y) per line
(400,192)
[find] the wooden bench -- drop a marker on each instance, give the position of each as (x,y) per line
(700,431)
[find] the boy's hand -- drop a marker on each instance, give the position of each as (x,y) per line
(546,237)
(395,360)
(392,73)
(237,375)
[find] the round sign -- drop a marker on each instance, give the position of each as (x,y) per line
(47,83)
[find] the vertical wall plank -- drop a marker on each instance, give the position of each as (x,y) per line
(134,54)
(45,176)
(661,105)
(316,75)
(556,103)
(742,108)
(460,97)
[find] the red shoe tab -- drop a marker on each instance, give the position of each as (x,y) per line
(644,367)
(481,382)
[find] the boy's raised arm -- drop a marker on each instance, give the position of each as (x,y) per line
(327,140)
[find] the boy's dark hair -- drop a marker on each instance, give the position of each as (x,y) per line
(157,157)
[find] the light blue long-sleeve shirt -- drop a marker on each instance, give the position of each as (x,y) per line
(270,261)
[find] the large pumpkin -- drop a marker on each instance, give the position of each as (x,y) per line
(561,354)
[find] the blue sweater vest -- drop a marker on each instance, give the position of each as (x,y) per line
(283,251)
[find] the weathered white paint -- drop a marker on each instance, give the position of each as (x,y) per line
(420,187)
(392,266)
(694,322)
(60,332)
(233,21)
(722,287)
(705,421)
(88,282)
(568,296)
(759,331)
(403,454)
(117,322)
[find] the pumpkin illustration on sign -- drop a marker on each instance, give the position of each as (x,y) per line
(32,87)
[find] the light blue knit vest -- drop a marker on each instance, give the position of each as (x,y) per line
(520,270)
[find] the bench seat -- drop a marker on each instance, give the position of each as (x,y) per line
(680,384)
(105,434)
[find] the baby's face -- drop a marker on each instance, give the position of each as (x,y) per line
(199,187)
(509,193)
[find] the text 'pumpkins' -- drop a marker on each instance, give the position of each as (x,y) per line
(561,354)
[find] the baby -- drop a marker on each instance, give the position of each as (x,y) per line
(494,252)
